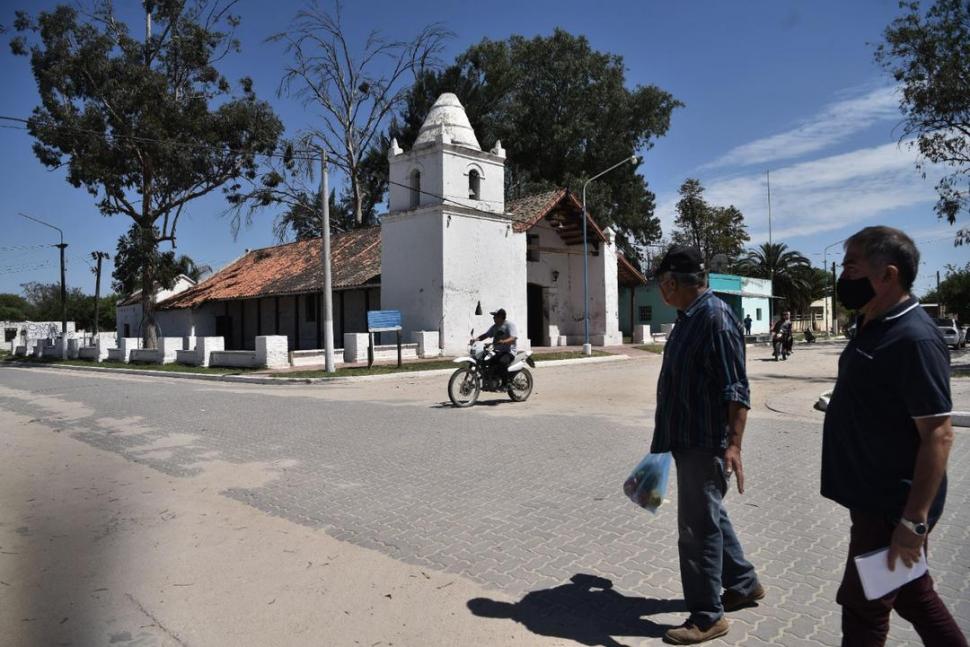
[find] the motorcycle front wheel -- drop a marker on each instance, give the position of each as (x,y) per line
(464,388)
(520,386)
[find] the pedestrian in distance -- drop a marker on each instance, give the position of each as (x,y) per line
(887,437)
(747,325)
(703,399)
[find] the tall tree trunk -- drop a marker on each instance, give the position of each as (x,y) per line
(358,200)
(148,245)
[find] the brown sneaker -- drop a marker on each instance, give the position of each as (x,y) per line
(732,600)
(688,634)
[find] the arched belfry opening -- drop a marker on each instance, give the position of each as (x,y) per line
(474,185)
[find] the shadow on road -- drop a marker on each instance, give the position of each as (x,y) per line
(481,403)
(587,611)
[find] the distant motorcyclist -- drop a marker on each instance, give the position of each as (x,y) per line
(504,334)
(783,339)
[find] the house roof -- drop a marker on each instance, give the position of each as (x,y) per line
(562,208)
(564,212)
(293,268)
(135,297)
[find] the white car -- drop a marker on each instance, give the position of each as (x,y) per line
(953,334)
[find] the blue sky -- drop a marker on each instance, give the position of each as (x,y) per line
(781,85)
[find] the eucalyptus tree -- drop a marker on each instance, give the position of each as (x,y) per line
(146,124)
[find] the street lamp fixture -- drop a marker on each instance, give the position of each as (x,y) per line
(825,266)
(587,347)
(62,246)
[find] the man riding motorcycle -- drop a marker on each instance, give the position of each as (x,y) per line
(504,334)
(782,339)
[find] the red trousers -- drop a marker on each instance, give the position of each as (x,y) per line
(865,623)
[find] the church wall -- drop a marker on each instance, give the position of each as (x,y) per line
(558,303)
(492,188)
(484,261)
(412,268)
(426,159)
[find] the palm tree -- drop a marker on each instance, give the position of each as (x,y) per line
(789,270)
(185,265)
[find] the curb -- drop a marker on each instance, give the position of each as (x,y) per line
(960,418)
(283,381)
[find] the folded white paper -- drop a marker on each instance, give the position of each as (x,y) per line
(878,580)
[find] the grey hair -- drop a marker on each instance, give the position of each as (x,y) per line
(689,279)
(890,246)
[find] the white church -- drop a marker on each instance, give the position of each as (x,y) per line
(449,250)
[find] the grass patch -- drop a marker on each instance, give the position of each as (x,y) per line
(161,368)
(385,369)
(377,369)
(652,348)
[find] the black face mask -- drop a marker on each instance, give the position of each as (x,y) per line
(854,293)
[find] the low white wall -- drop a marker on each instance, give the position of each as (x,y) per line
(205,346)
(234,358)
(355,347)
(641,334)
(272,351)
(89,353)
(189,357)
(315,357)
(427,342)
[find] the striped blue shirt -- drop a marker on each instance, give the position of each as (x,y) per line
(703,370)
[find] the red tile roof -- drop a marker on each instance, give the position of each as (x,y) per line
(528,211)
(293,268)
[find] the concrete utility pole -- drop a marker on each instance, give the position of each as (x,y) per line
(61,246)
(98,257)
(325,260)
(835,304)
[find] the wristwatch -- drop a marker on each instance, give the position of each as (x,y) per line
(916,527)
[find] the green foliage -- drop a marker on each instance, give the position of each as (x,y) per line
(563,113)
(794,279)
(133,251)
(44,304)
(14,307)
(954,292)
(302,218)
(145,126)
(714,230)
(929,56)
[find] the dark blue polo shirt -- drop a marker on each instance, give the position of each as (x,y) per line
(895,370)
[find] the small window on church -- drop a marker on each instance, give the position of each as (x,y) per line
(532,248)
(474,185)
(415,189)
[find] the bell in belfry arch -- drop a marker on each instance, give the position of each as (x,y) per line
(478,308)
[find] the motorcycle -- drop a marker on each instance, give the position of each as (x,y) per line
(477,374)
(782,346)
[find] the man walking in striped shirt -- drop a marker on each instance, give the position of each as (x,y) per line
(702,407)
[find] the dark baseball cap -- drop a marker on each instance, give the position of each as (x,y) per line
(498,313)
(683,259)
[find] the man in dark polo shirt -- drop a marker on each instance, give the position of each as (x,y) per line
(887,436)
(702,407)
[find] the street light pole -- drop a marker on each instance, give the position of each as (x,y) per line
(97,256)
(587,347)
(825,266)
(325,259)
(61,246)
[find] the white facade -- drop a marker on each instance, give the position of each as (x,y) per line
(171,324)
(448,247)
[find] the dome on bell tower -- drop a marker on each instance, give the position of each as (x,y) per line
(447,122)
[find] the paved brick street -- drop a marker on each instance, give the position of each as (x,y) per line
(519,498)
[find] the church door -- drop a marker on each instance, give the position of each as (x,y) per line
(536,319)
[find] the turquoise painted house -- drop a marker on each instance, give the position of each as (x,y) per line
(746,296)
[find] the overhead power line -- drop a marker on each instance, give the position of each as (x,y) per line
(305,157)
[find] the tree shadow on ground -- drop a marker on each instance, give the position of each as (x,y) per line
(587,611)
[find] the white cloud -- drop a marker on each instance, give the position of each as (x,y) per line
(831,125)
(823,194)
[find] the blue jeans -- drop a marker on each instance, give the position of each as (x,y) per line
(710,553)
